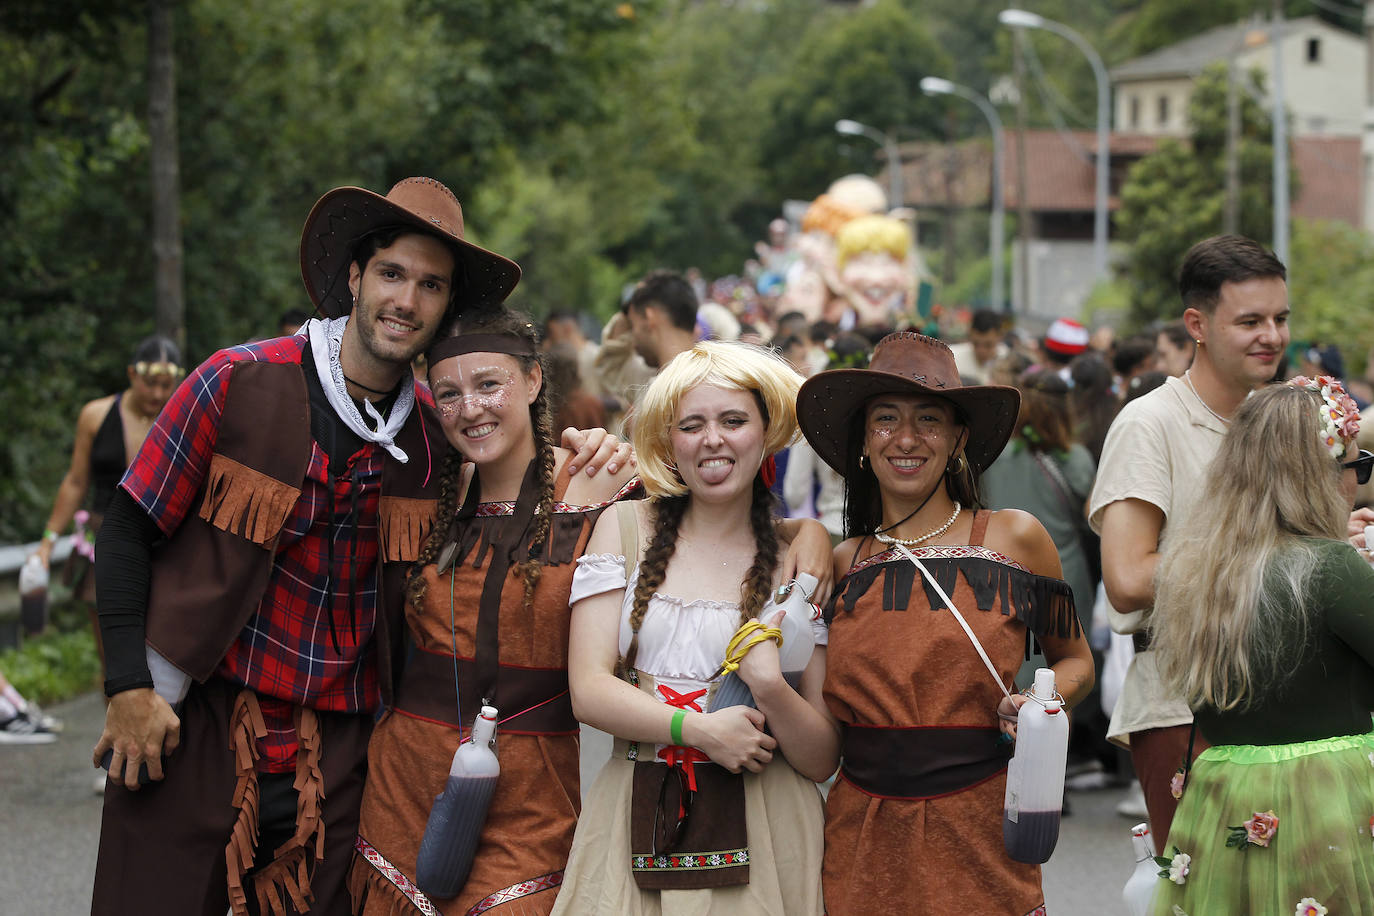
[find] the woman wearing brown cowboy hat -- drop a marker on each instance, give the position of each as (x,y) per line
(915,814)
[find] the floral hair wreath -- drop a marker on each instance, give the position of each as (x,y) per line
(1339,413)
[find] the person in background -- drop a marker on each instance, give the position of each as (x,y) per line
(291,321)
(1064,340)
(21,721)
(109,432)
(570,401)
(1046,472)
(1132,356)
(916,812)
(657,322)
(1262,624)
(561,328)
(1094,400)
(1174,349)
(808,482)
(976,356)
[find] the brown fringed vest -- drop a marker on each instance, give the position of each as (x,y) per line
(210,577)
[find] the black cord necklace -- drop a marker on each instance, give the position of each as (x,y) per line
(366,388)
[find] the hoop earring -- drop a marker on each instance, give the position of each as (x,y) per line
(955,469)
(863,460)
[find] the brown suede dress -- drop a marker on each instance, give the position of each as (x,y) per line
(529,828)
(914,820)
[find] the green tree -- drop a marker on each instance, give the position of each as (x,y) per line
(865,65)
(1177,195)
(1332,288)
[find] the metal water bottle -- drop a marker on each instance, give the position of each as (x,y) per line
(1035,778)
(459,813)
(1140,887)
(797,643)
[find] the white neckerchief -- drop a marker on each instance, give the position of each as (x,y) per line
(326,339)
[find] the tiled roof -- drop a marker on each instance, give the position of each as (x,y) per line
(1190,56)
(1061,175)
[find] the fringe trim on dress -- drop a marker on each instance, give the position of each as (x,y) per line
(246,502)
(403,526)
(1043,604)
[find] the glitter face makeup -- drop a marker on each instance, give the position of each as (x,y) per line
(484,402)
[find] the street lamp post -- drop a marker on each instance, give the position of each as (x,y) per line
(1021,19)
(894,155)
(933,85)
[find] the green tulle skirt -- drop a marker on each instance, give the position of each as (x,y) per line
(1322,793)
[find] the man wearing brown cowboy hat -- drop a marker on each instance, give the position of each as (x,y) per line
(252,567)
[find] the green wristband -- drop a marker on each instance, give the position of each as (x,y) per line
(675,729)
(50,536)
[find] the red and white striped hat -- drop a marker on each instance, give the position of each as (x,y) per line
(1066,337)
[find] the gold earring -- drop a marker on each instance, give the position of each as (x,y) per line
(1198,341)
(957,468)
(863,459)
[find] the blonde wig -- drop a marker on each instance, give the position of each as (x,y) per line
(1234,574)
(877,234)
(736,366)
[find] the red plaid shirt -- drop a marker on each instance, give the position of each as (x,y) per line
(285,652)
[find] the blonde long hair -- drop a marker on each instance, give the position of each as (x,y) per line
(1234,575)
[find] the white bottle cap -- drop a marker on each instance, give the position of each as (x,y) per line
(1044,683)
(1140,830)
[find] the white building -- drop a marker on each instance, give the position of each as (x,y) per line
(1323,73)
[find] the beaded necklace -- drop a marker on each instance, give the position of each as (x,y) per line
(912,542)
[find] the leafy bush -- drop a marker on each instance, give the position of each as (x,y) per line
(54,666)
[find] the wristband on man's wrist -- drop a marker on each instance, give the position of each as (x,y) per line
(50,536)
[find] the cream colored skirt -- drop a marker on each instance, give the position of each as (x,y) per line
(785,821)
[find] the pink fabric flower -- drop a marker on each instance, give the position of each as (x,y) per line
(1308,906)
(1260,829)
(1176,785)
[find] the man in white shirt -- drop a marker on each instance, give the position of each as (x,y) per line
(975,357)
(1235,298)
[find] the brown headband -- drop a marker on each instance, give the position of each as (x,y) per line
(479,343)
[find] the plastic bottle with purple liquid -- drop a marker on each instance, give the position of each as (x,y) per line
(459,813)
(1035,778)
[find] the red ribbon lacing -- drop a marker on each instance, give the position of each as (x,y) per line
(675,755)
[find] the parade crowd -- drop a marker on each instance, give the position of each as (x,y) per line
(323,560)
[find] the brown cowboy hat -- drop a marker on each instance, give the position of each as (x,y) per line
(904,363)
(344,215)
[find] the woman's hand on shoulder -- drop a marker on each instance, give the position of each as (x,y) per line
(1019,535)
(732,737)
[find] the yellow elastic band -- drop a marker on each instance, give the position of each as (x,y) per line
(747,637)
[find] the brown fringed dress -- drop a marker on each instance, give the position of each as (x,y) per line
(914,820)
(529,828)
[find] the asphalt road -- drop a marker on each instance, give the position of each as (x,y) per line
(50,820)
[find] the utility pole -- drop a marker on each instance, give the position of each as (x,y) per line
(1280,119)
(951,163)
(169,293)
(1023,217)
(1231,221)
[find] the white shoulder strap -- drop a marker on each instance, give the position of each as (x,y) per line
(949,603)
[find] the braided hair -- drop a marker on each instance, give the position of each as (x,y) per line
(508,322)
(773,386)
